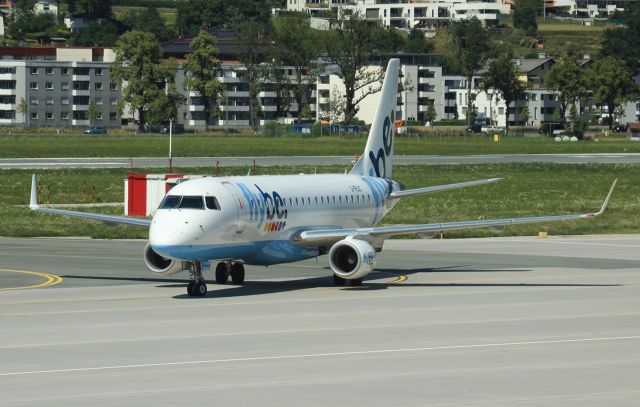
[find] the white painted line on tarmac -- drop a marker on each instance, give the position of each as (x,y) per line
(322,355)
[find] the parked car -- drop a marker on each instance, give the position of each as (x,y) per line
(620,128)
(474,128)
(177,128)
(491,130)
(96,130)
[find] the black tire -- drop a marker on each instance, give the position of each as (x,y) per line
(237,273)
(222,274)
(200,289)
(338,281)
(190,288)
(356,282)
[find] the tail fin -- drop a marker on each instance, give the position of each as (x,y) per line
(377,159)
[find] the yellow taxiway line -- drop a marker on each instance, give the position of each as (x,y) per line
(51,279)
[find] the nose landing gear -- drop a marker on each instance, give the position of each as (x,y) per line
(197,287)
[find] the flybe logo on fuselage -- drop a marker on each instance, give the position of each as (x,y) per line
(265,208)
(379,160)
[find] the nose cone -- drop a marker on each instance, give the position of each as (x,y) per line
(172,234)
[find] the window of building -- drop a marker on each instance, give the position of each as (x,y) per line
(113,116)
(65,71)
(33,100)
(48,71)
(64,100)
(113,101)
(49,100)
(64,86)
(99,116)
(33,85)
(98,85)
(34,115)
(113,86)
(99,71)
(98,100)
(49,85)
(501,110)
(48,116)
(34,71)
(64,116)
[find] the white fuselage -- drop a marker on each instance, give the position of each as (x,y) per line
(255,218)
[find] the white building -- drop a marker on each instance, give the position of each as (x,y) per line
(46,7)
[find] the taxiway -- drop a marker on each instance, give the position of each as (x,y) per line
(501,321)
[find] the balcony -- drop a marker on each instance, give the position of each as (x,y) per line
(425,94)
(269,108)
(80,107)
(8,121)
(6,92)
(7,106)
(81,92)
(425,80)
(196,122)
(79,122)
(230,79)
(266,94)
(196,108)
(238,94)
(234,108)
(81,78)
(7,76)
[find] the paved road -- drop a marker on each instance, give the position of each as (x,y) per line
(504,321)
(155,162)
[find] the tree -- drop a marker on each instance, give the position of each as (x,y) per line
(23,109)
(202,70)
(252,38)
(138,64)
(102,33)
(502,76)
(26,21)
(568,79)
(431,114)
(195,15)
(351,45)
(296,46)
(148,20)
(280,84)
(92,112)
(611,82)
(470,46)
(93,9)
(524,16)
(417,43)
(524,115)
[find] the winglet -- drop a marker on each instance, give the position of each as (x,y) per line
(33,203)
(606,201)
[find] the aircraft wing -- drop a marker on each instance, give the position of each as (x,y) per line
(428,190)
(383,232)
(33,205)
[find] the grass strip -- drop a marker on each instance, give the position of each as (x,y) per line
(531,189)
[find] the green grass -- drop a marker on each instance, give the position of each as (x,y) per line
(528,190)
(250,146)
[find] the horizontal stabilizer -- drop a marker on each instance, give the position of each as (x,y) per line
(440,188)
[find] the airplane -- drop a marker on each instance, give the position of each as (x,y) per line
(268,220)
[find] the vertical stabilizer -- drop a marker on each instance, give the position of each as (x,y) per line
(377,159)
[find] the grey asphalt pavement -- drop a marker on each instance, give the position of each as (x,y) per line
(503,321)
(158,162)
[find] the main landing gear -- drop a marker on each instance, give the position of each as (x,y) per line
(224,269)
(197,287)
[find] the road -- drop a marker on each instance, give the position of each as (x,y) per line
(184,162)
(516,321)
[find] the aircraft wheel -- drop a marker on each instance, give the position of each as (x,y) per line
(190,288)
(200,289)
(356,282)
(338,281)
(222,274)
(237,273)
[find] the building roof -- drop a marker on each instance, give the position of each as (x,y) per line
(226,40)
(526,65)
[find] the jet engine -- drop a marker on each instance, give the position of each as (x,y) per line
(160,265)
(352,258)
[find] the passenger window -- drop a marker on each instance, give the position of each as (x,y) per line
(170,202)
(212,202)
(191,202)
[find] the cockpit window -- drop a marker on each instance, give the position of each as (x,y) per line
(191,202)
(170,202)
(212,202)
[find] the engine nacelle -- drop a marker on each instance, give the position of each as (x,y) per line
(159,264)
(352,258)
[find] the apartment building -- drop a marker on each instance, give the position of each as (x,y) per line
(428,15)
(57,86)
